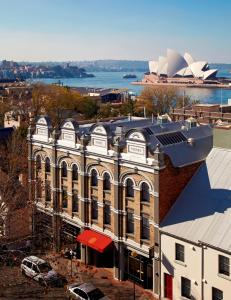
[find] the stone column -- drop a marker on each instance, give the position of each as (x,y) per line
(83,194)
(159,165)
(119,262)
(57,222)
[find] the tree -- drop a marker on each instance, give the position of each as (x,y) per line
(61,102)
(13,180)
(128,107)
(160,99)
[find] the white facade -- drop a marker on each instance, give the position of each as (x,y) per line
(200,266)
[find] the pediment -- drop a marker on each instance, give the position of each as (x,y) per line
(136,135)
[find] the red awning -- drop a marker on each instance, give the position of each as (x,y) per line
(94,240)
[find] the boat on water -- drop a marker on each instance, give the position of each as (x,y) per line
(128,76)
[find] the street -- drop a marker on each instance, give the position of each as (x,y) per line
(13,285)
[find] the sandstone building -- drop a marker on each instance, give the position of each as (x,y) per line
(108,185)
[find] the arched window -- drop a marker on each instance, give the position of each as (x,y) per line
(145,195)
(64,169)
(74,172)
(38,162)
(106,182)
(129,188)
(47,165)
(94,178)
(48,191)
(75,202)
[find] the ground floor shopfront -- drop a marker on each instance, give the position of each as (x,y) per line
(99,250)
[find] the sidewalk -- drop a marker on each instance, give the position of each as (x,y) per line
(100,277)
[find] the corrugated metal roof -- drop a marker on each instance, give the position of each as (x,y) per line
(203,210)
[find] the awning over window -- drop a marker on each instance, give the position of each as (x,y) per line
(94,240)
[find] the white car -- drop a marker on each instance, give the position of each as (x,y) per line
(38,269)
(85,291)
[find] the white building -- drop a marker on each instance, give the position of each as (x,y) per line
(196,235)
(176,65)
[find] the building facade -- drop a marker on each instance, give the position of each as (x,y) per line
(194,270)
(196,233)
(109,185)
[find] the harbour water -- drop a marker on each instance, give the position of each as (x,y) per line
(115,80)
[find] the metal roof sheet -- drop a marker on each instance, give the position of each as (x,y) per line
(203,210)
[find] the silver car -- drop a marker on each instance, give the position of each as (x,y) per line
(85,291)
(38,269)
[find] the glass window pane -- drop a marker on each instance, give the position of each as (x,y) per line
(185,287)
(129,188)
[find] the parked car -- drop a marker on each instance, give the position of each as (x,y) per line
(85,291)
(41,271)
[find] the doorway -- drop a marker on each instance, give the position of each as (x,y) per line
(168,286)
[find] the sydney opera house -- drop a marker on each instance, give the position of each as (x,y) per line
(177,68)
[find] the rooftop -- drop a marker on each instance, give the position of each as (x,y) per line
(202,213)
(222,138)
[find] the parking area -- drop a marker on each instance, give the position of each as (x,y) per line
(13,285)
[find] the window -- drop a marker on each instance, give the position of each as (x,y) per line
(38,162)
(224,265)
(64,197)
(106,182)
(217,294)
(94,213)
(94,178)
(64,169)
(129,189)
(75,202)
(80,293)
(107,213)
(130,222)
(28,264)
(171,138)
(47,165)
(74,172)
(185,287)
(48,191)
(179,252)
(35,268)
(145,192)
(39,185)
(145,227)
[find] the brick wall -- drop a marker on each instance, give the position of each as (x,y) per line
(171,184)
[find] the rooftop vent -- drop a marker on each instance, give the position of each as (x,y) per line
(163,119)
(171,138)
(191,122)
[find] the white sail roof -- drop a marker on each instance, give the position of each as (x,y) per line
(175,64)
(188,58)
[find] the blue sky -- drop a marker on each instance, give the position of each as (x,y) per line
(67,30)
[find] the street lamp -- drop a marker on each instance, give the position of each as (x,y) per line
(71,254)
